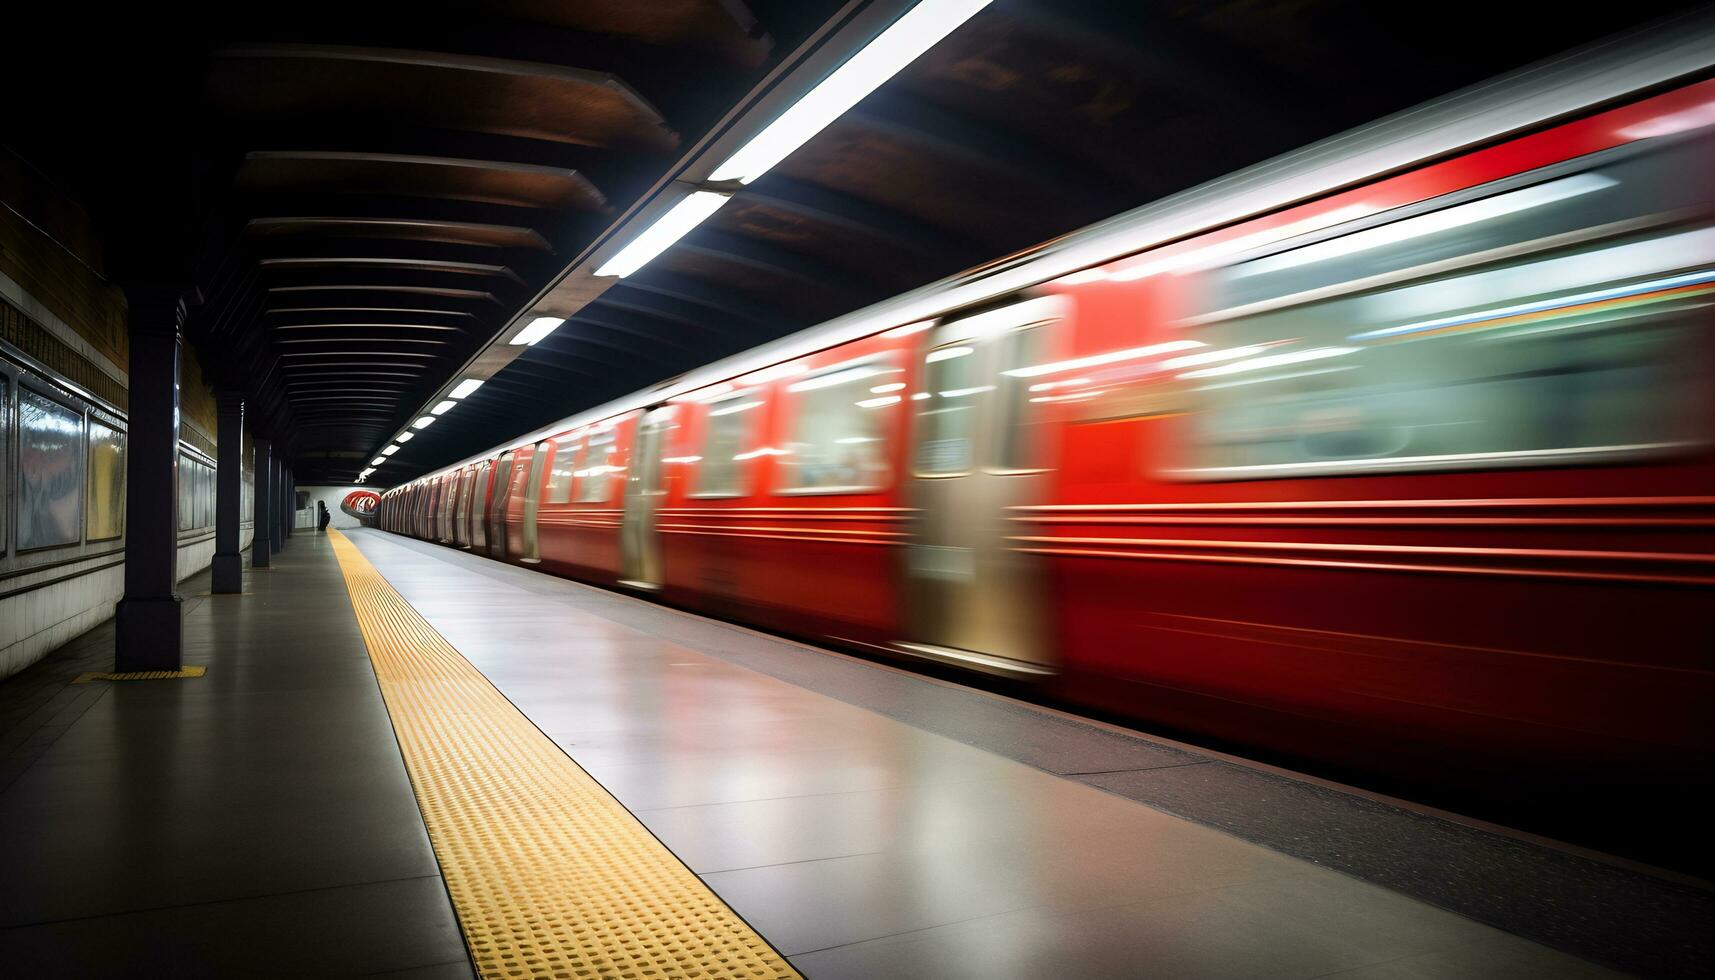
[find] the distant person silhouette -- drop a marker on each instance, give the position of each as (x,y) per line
(322,516)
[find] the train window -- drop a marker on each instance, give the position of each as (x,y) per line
(50,472)
(727,445)
(1581,354)
(502,477)
(1019,433)
(838,417)
(595,480)
(563,468)
(947,418)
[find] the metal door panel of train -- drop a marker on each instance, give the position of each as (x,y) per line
(532,553)
(640,541)
(496,518)
(479,509)
(972,599)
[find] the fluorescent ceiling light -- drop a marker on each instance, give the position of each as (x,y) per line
(465,387)
(667,229)
(538,328)
(405,437)
(390,450)
(443,408)
(919,30)
(424,422)
(377,461)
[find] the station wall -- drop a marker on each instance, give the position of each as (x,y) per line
(63,407)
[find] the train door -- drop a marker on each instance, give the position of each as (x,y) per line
(497,506)
(972,599)
(449,500)
(533,502)
(461,516)
(639,538)
(478,508)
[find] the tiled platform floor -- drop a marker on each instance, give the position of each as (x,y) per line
(869,822)
(864,845)
(254,822)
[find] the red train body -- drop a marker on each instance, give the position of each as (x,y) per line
(1413,478)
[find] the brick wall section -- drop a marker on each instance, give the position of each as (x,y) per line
(48,247)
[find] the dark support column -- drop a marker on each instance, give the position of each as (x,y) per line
(228,489)
(262,500)
(277,526)
(292,508)
(150,633)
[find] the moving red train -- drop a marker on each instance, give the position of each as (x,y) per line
(1410,474)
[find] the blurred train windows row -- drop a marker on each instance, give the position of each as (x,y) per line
(1546,322)
(836,440)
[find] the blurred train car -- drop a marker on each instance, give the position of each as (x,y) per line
(1411,476)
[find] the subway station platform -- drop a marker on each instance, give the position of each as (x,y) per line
(408,761)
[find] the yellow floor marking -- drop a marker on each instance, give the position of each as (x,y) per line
(550,876)
(142,675)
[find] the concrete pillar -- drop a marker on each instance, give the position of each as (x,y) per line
(262,500)
(148,622)
(228,491)
(277,526)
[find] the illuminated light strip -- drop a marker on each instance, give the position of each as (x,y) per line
(1210,254)
(678,222)
(841,377)
(764,451)
(1432,223)
(1207,357)
(465,387)
(922,27)
(443,407)
(735,409)
(1111,357)
(534,331)
(1497,313)
(1272,360)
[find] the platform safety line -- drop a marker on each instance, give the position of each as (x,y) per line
(549,874)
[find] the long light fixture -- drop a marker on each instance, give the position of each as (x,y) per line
(390,450)
(907,38)
(667,229)
(533,332)
(423,422)
(443,407)
(465,387)
(405,437)
(922,27)
(377,461)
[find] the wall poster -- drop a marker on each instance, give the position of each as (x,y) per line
(50,472)
(106,481)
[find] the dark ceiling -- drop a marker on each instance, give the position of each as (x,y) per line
(366,194)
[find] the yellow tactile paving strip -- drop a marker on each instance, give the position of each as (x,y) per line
(143,675)
(550,876)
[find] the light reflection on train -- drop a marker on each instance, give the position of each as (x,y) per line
(1414,477)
